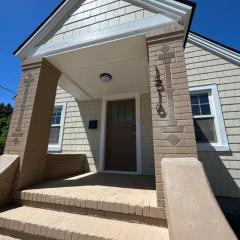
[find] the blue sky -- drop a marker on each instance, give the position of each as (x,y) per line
(216,19)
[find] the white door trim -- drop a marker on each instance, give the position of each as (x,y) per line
(106,99)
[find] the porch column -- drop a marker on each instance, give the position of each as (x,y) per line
(30,125)
(173,131)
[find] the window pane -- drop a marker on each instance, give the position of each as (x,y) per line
(56,117)
(203,98)
(205,109)
(200,104)
(54,135)
(114,113)
(129,112)
(205,130)
(194,99)
(121,112)
(196,110)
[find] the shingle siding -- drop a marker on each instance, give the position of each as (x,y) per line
(203,68)
(77,138)
(96,15)
(206,68)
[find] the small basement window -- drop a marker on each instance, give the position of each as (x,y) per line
(57,125)
(208,119)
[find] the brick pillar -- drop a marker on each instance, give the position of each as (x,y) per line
(173,132)
(30,125)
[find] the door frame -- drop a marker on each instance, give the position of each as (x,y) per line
(102,149)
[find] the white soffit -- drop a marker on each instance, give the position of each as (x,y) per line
(214,48)
(126,60)
(168,12)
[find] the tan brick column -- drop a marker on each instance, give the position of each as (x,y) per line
(30,125)
(173,132)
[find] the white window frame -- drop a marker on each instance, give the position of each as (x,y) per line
(216,113)
(58,147)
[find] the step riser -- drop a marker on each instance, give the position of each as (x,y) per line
(52,234)
(21,236)
(97,213)
(42,224)
(112,207)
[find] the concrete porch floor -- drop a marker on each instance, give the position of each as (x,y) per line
(138,190)
(116,193)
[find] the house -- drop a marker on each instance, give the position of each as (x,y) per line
(132,117)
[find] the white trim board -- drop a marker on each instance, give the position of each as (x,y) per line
(214,48)
(102,148)
(178,12)
(121,31)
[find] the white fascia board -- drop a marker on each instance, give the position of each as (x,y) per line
(179,11)
(214,48)
(169,6)
(47,27)
(160,7)
(115,33)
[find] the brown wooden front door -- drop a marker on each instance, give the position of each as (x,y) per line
(121,136)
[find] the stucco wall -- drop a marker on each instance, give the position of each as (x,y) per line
(205,68)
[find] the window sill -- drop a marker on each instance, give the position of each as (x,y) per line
(52,148)
(206,147)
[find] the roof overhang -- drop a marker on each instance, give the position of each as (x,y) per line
(126,60)
(180,12)
(217,48)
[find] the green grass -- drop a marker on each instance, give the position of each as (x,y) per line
(2,141)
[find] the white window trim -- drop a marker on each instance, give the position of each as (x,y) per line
(222,144)
(58,147)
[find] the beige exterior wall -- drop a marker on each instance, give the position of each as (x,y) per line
(77,138)
(205,68)
(63,165)
(30,123)
(147,135)
(95,15)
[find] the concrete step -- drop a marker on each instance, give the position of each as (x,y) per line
(34,223)
(104,209)
(98,196)
(2,237)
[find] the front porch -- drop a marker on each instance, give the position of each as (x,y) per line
(106,195)
(144,68)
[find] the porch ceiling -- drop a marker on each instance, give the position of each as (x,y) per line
(126,60)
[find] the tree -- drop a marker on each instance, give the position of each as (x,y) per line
(5,117)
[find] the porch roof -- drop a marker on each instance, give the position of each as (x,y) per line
(168,12)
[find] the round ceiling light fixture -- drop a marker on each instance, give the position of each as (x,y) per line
(105,77)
